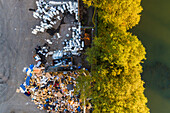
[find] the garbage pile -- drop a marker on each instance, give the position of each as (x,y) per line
(50,12)
(41,54)
(51,91)
(59,58)
(70,6)
(75,44)
(54,90)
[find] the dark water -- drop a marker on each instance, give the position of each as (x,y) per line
(154,32)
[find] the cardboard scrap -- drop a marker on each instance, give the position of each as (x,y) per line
(48,75)
(17,90)
(37,70)
(59,95)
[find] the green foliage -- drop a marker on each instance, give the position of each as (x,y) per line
(123,14)
(83,83)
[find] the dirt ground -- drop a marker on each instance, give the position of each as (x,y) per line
(17,44)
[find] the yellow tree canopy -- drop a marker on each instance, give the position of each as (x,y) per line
(118,49)
(118,87)
(119,94)
(123,14)
(116,57)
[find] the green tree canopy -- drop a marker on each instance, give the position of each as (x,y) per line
(83,84)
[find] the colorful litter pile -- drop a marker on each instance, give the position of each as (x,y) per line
(52,91)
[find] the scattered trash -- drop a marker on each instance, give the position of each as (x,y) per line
(70,86)
(48,41)
(28,80)
(67,35)
(57,55)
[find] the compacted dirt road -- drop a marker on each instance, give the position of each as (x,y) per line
(16,46)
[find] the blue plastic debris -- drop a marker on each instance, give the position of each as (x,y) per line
(23,87)
(45,105)
(26,70)
(56,101)
(30,74)
(31,67)
(79,67)
(28,80)
(47,100)
(79,109)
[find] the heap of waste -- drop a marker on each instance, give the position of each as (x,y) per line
(54,90)
(51,91)
(51,12)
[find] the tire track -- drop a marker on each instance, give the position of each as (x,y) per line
(8,54)
(1,4)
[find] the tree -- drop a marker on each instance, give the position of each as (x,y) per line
(123,14)
(83,83)
(118,87)
(83,86)
(116,48)
(116,57)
